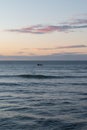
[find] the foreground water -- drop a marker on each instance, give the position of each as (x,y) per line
(52,96)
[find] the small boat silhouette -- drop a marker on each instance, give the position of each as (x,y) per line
(39,64)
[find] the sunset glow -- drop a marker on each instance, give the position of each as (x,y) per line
(34,28)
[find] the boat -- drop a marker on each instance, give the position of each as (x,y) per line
(39,64)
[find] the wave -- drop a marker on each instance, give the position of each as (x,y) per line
(8,84)
(49,76)
(84,84)
(37,76)
(42,76)
(29,76)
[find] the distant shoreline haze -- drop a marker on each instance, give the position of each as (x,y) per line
(64,57)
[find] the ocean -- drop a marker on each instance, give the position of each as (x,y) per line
(43,95)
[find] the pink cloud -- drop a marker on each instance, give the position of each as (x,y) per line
(41,29)
(76,23)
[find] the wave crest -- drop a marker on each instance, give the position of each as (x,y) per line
(37,76)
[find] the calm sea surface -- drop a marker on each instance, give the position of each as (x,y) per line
(51,96)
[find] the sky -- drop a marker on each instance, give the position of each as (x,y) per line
(43,29)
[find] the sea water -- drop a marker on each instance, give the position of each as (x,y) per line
(43,95)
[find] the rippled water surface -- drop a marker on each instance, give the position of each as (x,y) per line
(49,96)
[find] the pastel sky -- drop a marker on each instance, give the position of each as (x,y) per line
(40,29)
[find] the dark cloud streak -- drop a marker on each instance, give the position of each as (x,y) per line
(63,47)
(73,46)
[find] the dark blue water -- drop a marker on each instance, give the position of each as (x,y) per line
(52,96)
